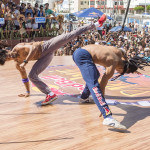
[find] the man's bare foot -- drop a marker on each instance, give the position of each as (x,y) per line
(24,95)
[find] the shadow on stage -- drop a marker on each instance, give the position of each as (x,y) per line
(133,113)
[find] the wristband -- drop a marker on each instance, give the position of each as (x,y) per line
(25,80)
(25,61)
(28,92)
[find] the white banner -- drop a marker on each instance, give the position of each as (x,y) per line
(2,21)
(40,19)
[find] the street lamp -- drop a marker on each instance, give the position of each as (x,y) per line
(145,6)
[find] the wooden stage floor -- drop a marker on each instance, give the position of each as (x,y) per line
(65,124)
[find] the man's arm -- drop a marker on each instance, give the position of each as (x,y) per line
(24,80)
(107,75)
(33,10)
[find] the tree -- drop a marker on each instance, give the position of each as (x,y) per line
(139,8)
(148,7)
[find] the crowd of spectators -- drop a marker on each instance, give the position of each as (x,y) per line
(136,43)
(11,12)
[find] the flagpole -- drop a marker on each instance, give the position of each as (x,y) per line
(127,10)
(145,7)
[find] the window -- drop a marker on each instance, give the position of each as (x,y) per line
(81,2)
(121,3)
(92,3)
(98,2)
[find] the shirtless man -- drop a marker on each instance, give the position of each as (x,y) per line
(43,53)
(112,59)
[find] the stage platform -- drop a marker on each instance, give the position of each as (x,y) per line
(65,124)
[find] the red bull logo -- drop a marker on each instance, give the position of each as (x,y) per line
(99,96)
(107,111)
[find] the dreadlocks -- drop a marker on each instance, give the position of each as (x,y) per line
(3,56)
(137,63)
(3,52)
(133,64)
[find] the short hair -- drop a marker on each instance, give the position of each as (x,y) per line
(41,6)
(47,4)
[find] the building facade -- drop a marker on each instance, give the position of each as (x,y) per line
(110,7)
(117,6)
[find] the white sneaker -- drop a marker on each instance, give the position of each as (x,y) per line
(88,100)
(82,101)
(113,123)
(91,99)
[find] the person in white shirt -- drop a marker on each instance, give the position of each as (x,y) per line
(136,25)
(16,13)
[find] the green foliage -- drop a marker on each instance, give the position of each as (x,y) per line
(47,30)
(2,34)
(139,8)
(54,30)
(16,35)
(7,33)
(36,34)
(41,31)
(11,35)
(148,7)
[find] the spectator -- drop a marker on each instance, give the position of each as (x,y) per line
(23,9)
(29,9)
(7,12)
(2,6)
(141,54)
(100,29)
(36,9)
(16,13)
(1,13)
(9,23)
(147,52)
(136,25)
(41,14)
(48,11)
(120,44)
(133,53)
(28,21)
(140,48)
(70,26)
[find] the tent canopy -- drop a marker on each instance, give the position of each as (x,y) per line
(90,12)
(118,28)
(146,13)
